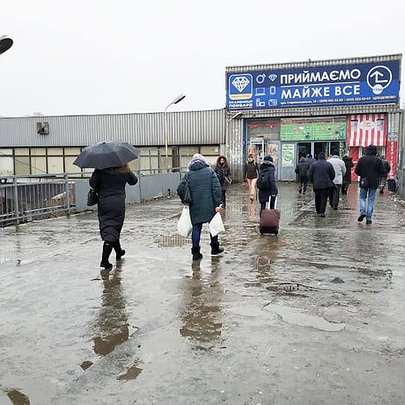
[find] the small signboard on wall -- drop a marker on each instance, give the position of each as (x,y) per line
(288,154)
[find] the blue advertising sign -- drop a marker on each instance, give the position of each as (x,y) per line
(318,86)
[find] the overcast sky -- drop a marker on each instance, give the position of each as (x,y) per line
(121,56)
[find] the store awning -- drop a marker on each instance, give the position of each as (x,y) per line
(367,129)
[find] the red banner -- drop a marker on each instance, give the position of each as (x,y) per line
(354,154)
(391,154)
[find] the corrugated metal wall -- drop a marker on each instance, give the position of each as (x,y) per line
(184,128)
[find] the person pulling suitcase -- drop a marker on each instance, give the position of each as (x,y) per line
(266,183)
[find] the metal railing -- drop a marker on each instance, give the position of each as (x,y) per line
(33,197)
(25,198)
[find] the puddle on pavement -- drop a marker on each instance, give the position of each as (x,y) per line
(295,316)
(17,397)
(86,364)
(131,374)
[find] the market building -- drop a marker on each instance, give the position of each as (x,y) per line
(287,110)
(294,109)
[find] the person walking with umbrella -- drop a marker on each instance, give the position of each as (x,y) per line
(111,174)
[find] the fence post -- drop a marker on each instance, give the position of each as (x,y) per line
(66,178)
(15,197)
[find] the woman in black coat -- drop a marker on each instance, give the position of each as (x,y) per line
(224,176)
(110,185)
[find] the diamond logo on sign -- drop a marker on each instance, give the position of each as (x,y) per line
(240,83)
(240,86)
(379,78)
(272,77)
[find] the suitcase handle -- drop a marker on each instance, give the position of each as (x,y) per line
(268,203)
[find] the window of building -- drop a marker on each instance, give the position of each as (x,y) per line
(22,165)
(55,164)
(38,164)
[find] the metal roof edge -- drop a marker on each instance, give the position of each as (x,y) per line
(321,62)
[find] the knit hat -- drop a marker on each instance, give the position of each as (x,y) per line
(268,158)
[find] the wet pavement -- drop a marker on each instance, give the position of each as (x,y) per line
(314,315)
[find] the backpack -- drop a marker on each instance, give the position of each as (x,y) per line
(263,181)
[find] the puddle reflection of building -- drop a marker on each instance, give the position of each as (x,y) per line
(112,322)
(202,312)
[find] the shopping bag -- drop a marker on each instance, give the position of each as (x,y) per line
(184,225)
(216,225)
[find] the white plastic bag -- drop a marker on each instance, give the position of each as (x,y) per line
(216,225)
(184,226)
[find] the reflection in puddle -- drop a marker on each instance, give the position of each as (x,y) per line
(112,323)
(202,310)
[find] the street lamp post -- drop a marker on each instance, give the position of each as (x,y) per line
(5,43)
(166,135)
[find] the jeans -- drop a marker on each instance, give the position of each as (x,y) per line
(321,198)
(196,235)
(364,192)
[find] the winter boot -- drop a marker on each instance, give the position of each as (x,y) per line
(196,253)
(215,249)
(118,251)
(107,249)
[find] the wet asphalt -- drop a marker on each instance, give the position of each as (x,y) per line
(315,315)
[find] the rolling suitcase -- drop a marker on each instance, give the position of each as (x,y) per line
(270,219)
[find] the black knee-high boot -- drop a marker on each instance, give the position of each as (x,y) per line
(118,251)
(107,249)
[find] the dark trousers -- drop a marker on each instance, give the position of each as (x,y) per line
(334,194)
(223,198)
(321,198)
(272,202)
(345,187)
(303,184)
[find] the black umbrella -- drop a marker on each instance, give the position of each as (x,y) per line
(106,154)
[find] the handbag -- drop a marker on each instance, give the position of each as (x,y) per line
(92,197)
(363,182)
(187,197)
(216,225)
(184,225)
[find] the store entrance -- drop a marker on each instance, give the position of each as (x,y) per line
(321,147)
(304,149)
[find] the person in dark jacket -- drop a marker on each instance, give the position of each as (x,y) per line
(369,168)
(224,176)
(301,170)
(250,176)
(384,175)
(272,192)
(310,159)
(347,178)
(110,186)
(321,174)
(206,201)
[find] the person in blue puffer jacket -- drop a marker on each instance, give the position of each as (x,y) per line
(206,195)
